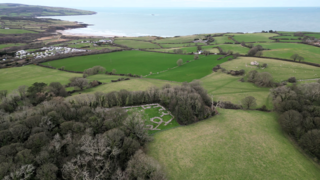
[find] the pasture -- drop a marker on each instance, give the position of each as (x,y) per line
(134,62)
(190,71)
(280,70)
(232,145)
(286,50)
(222,40)
(136,44)
(2,46)
(224,87)
(316,35)
(254,37)
(181,45)
(236,48)
(12,78)
(15,31)
(135,84)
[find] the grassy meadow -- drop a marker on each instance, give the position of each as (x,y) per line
(280,70)
(254,37)
(192,70)
(236,48)
(286,50)
(12,78)
(142,63)
(232,145)
(135,84)
(15,31)
(222,40)
(316,35)
(224,87)
(136,44)
(2,46)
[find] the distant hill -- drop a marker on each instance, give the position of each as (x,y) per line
(15,10)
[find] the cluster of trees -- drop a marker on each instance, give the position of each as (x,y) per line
(236,73)
(256,51)
(297,57)
(94,70)
(270,31)
(61,139)
(262,79)
(189,102)
(34,95)
(300,114)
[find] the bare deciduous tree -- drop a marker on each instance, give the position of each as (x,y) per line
(79,82)
(249,102)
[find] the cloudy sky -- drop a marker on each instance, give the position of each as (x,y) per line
(170,3)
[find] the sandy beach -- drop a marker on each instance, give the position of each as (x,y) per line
(66,33)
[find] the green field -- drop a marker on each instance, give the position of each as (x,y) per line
(135,84)
(190,71)
(224,87)
(316,35)
(134,62)
(236,48)
(136,44)
(180,45)
(12,78)
(254,37)
(2,46)
(286,50)
(15,31)
(222,40)
(287,37)
(280,70)
(232,145)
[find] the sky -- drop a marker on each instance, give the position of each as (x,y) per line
(169,3)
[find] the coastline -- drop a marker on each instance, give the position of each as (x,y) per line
(65,33)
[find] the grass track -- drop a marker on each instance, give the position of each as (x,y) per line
(233,145)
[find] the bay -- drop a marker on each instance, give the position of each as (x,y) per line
(168,22)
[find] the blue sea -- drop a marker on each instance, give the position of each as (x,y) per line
(168,22)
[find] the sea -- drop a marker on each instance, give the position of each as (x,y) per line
(169,22)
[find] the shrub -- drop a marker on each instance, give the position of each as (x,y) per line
(292,80)
(179,62)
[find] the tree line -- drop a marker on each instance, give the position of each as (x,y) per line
(299,110)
